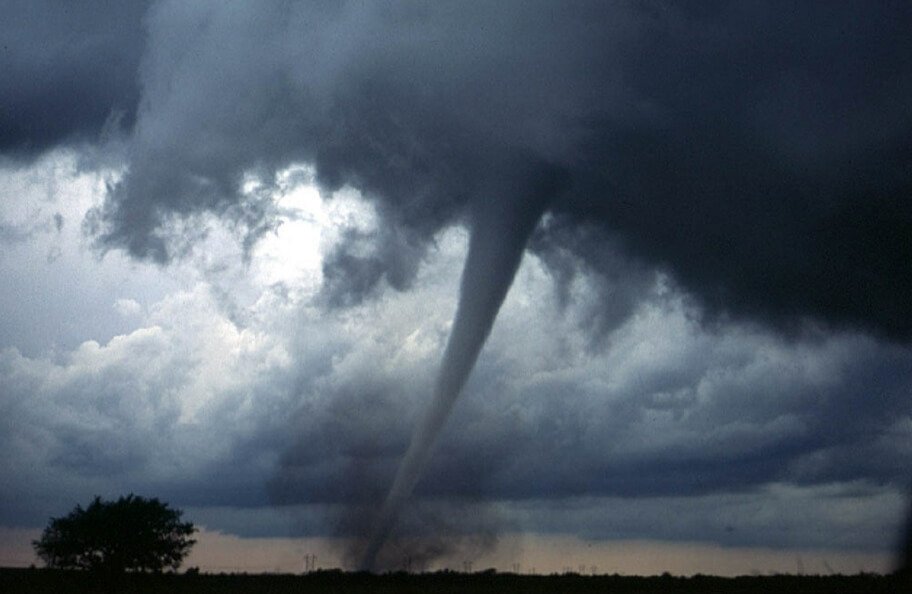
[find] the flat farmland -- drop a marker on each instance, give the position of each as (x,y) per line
(35,581)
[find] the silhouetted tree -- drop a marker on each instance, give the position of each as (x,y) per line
(129,534)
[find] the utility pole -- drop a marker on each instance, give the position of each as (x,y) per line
(310,563)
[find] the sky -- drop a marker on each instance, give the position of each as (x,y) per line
(637,271)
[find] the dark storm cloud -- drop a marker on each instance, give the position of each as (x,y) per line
(756,151)
(730,414)
(774,180)
(613,280)
(353,270)
(69,71)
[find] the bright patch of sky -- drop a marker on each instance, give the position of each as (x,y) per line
(62,290)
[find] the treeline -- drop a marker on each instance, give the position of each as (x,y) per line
(14,581)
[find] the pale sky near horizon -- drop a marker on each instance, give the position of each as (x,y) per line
(232,237)
(216,552)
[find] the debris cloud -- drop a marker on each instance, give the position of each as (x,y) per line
(500,228)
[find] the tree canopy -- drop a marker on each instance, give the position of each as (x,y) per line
(130,534)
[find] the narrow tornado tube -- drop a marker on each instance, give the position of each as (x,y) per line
(500,229)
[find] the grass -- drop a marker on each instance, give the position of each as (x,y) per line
(327,582)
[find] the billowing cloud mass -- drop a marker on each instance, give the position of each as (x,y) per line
(758,151)
(70,72)
(709,208)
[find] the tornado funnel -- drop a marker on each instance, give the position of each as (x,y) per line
(501,223)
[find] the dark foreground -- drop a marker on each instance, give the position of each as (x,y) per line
(44,580)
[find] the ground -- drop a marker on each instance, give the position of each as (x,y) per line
(35,581)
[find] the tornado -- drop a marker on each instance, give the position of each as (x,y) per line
(502,220)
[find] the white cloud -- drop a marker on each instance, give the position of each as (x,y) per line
(220,376)
(127,307)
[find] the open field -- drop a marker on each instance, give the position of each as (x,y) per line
(43,580)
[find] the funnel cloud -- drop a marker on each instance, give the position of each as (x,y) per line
(501,224)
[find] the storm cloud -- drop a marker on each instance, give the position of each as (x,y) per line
(757,152)
(71,72)
(717,273)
